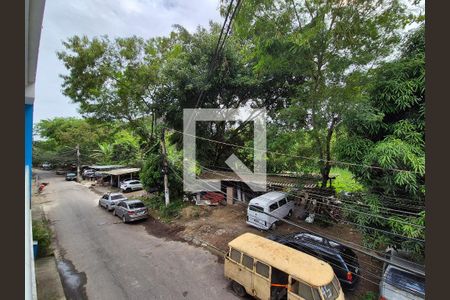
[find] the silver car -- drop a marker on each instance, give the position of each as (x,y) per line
(109,201)
(131,210)
(399,284)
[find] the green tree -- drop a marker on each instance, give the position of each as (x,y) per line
(327,45)
(388,134)
(58,137)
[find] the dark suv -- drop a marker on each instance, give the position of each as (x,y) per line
(341,258)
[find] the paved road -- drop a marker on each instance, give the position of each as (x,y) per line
(102,258)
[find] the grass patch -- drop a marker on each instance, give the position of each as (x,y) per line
(344,181)
(43,235)
(370,296)
(157,204)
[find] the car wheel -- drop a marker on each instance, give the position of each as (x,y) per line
(128,190)
(238,289)
(289,214)
(124,219)
(273,226)
(114,212)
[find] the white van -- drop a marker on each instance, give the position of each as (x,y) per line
(274,203)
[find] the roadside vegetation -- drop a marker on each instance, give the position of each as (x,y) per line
(342,84)
(43,235)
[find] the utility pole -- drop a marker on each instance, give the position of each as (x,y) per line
(165,167)
(78,162)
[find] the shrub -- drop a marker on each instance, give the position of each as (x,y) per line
(43,235)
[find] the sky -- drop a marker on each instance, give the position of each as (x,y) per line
(115,18)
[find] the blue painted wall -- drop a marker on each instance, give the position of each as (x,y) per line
(29,139)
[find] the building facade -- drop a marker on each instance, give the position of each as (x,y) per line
(34,12)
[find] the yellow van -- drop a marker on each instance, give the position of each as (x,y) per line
(268,270)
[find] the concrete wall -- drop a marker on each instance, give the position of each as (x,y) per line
(30,282)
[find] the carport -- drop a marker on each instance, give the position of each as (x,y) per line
(122,174)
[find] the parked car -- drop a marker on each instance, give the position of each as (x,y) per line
(131,185)
(88,173)
(71,176)
(131,210)
(398,283)
(110,200)
(341,258)
(60,172)
(273,203)
(46,166)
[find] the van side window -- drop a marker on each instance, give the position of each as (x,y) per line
(235,255)
(273,206)
(302,289)
(262,269)
(247,261)
(282,202)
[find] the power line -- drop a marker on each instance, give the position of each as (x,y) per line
(345,243)
(295,156)
(323,197)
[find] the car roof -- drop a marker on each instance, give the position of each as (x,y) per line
(130,201)
(298,264)
(267,198)
(403,259)
(116,194)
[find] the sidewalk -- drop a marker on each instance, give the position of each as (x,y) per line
(48,282)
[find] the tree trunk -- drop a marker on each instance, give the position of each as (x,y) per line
(326,168)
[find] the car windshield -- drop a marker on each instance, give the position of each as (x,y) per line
(71,174)
(115,197)
(136,205)
(405,281)
(329,291)
(256,208)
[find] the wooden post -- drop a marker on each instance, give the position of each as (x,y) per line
(165,167)
(230,195)
(78,163)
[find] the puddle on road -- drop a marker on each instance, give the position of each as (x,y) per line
(73,281)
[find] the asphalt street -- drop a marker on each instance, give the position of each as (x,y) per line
(102,258)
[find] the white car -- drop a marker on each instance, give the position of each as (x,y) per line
(131,185)
(109,201)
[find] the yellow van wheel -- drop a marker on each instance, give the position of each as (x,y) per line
(238,289)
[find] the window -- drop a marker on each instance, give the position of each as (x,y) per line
(305,291)
(329,292)
(316,294)
(137,205)
(256,208)
(247,261)
(235,255)
(262,269)
(282,202)
(273,206)
(115,197)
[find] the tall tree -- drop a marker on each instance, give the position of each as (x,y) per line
(328,44)
(388,134)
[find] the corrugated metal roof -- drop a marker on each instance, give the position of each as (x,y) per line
(284,180)
(122,171)
(106,167)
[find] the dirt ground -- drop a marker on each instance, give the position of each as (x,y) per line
(217,225)
(214,226)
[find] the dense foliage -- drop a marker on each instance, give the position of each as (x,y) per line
(388,133)
(327,72)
